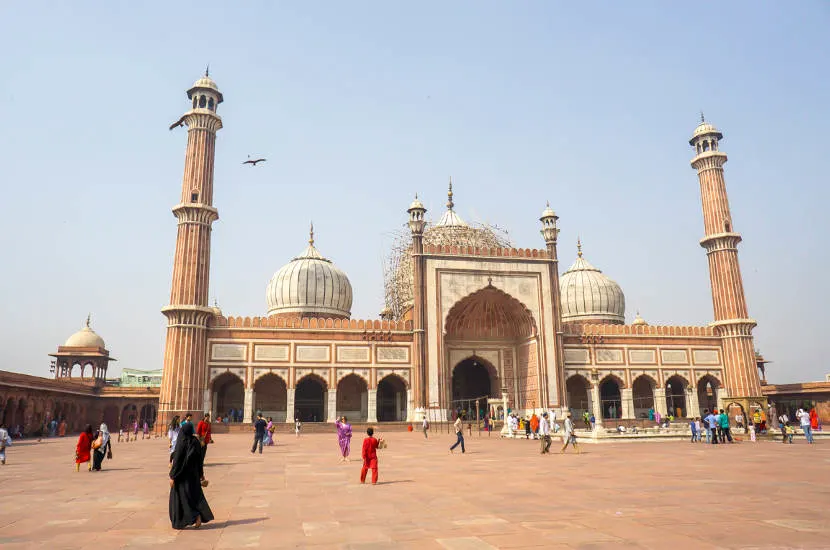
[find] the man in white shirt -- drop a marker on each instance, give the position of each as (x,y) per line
(4,440)
(459,434)
(544,433)
(568,435)
(804,418)
(426,427)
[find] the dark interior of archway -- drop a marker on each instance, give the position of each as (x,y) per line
(230,394)
(676,397)
(271,395)
(706,393)
(470,380)
(609,394)
(352,397)
(309,400)
(643,394)
(391,393)
(577,388)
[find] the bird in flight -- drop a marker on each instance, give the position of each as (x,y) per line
(178,123)
(253,162)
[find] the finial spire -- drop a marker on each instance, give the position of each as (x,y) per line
(702,118)
(88,319)
(547,204)
(450,204)
(311,235)
(207,70)
(579,247)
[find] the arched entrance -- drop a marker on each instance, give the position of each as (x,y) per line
(676,396)
(111,417)
(310,399)
(271,397)
(391,397)
(642,391)
(147,414)
(471,381)
(129,414)
(578,390)
(609,396)
(229,396)
(707,393)
(353,398)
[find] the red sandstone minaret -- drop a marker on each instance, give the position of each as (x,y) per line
(185,354)
(732,320)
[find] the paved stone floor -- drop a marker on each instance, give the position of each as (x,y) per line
(500,494)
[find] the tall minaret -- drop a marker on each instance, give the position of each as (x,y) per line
(732,320)
(185,355)
(417,224)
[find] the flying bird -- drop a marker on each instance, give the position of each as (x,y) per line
(178,123)
(253,162)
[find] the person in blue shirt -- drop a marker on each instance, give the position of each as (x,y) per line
(711,425)
(693,427)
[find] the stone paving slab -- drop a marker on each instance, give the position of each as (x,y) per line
(500,494)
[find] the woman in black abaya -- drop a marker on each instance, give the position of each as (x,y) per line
(188,505)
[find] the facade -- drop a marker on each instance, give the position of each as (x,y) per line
(475,324)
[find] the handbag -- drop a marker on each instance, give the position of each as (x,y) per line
(109,452)
(98,442)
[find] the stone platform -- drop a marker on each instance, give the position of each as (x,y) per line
(500,494)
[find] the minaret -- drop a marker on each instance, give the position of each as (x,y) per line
(732,320)
(185,354)
(417,224)
(550,232)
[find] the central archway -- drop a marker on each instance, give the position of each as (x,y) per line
(310,399)
(676,396)
(471,380)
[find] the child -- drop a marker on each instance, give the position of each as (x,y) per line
(369,454)
(297,426)
(693,426)
(790,433)
(120,434)
(698,426)
(752,431)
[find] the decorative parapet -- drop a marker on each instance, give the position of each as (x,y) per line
(312,323)
(635,330)
(453,250)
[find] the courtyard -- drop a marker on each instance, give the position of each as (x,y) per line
(500,494)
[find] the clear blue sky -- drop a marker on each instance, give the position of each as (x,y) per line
(358,105)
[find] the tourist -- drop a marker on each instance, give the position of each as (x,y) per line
(269,432)
(752,431)
(188,505)
(425,426)
(172,435)
(344,438)
(369,454)
(459,434)
(188,419)
(804,418)
(487,424)
(230,414)
(226,420)
(544,433)
(5,440)
(259,433)
(783,420)
(789,432)
(203,430)
(739,420)
(102,449)
(651,414)
(83,448)
(593,422)
(814,425)
(693,426)
(534,426)
(297,426)
(568,435)
(62,428)
(512,425)
(527,428)
(698,426)
(145,430)
(135,430)
(657,418)
(586,417)
(711,426)
(726,433)
(120,434)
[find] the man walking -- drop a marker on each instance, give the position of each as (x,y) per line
(724,427)
(544,433)
(203,431)
(568,434)
(783,420)
(459,434)
(426,427)
(711,425)
(804,417)
(259,432)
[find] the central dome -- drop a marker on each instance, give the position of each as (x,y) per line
(589,296)
(309,286)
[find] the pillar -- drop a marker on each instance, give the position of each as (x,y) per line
(409,416)
(331,412)
(248,407)
(627,396)
(596,405)
(692,403)
(289,406)
(660,401)
(372,413)
(207,407)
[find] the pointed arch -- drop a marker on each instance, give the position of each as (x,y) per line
(489,313)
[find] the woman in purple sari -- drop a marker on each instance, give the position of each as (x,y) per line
(344,437)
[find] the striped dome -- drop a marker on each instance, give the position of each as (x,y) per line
(590,296)
(310,286)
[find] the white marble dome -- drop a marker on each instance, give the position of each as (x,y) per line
(589,296)
(85,338)
(310,286)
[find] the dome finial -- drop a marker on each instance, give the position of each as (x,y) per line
(450,204)
(88,319)
(579,247)
(702,118)
(207,70)
(311,235)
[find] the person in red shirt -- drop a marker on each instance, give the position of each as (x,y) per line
(203,431)
(369,453)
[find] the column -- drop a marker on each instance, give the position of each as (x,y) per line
(372,413)
(596,405)
(409,413)
(332,406)
(207,403)
(289,406)
(721,395)
(660,401)
(692,404)
(627,396)
(248,407)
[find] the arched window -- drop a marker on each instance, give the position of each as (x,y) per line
(727,227)
(705,145)
(195,100)
(210,103)
(194,196)
(202,101)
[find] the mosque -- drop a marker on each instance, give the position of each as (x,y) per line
(471,323)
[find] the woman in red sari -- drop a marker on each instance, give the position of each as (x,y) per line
(83,448)
(813,419)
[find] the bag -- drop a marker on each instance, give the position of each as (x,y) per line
(382,444)
(426,425)
(109,452)
(98,442)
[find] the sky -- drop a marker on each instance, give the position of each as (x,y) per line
(359,105)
